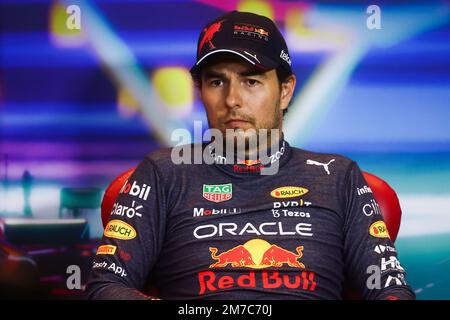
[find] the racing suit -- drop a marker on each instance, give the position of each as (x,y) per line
(225,231)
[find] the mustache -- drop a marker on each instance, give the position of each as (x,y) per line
(238,116)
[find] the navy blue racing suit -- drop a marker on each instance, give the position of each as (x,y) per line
(225,231)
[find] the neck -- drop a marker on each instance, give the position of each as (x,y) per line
(253,147)
(264,146)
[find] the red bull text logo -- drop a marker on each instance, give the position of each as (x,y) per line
(209,281)
(242,28)
(248,166)
(257,254)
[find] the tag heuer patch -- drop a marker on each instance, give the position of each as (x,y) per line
(217,192)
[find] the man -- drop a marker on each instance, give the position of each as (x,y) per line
(228,230)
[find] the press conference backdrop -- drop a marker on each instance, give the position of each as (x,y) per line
(83,100)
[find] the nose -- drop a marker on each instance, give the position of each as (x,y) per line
(233,97)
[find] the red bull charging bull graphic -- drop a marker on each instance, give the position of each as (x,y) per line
(256,254)
(237,257)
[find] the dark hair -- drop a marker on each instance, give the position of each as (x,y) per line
(282,76)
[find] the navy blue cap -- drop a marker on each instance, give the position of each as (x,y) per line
(253,37)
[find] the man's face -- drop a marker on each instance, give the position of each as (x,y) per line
(236,96)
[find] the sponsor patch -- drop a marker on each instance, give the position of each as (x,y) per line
(119,230)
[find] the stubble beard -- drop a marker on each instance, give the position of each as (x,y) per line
(247,144)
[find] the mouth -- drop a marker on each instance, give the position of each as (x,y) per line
(236,123)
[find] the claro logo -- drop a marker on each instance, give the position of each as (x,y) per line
(288,192)
(119,230)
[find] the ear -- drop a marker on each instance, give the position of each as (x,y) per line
(287,91)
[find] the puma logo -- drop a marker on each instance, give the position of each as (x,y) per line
(324,165)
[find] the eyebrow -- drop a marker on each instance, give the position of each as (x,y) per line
(253,72)
(214,74)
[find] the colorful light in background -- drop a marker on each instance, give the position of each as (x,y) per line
(44,201)
(263,8)
(175,88)
(59,33)
(81,106)
(126,104)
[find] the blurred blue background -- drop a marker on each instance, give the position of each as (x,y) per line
(80,106)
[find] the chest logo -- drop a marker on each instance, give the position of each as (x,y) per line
(288,192)
(257,254)
(218,192)
(119,230)
(324,165)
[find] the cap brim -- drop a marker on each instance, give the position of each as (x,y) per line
(258,60)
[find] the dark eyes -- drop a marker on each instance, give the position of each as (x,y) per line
(252,82)
(249,82)
(215,83)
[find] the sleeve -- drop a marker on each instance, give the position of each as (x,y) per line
(132,239)
(371,263)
